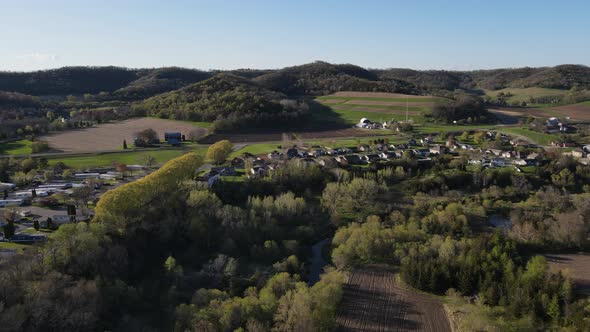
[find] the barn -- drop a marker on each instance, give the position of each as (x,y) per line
(173,138)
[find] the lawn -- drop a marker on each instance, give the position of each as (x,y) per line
(11,245)
(257,149)
(22,146)
(264,148)
(428,128)
(134,157)
(540,138)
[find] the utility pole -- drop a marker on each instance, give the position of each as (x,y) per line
(406,108)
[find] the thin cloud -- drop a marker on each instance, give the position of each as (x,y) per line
(38,57)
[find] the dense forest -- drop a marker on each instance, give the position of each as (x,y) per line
(313,78)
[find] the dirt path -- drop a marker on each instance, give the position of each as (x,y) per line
(374,302)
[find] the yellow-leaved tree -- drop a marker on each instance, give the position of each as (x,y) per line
(219,151)
(133,203)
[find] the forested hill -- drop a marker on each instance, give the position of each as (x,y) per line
(161,80)
(320,78)
(232,102)
(68,80)
(317,78)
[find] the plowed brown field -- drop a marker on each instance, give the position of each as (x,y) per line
(110,136)
(373,302)
(578,266)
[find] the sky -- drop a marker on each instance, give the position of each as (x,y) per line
(230,34)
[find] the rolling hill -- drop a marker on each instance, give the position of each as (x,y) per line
(230,101)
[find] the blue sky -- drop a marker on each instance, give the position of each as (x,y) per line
(228,34)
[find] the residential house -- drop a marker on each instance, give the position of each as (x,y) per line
(275,155)
(354,159)
(498,162)
(364,148)
(371,158)
(293,153)
(575,153)
(238,162)
(438,149)
(519,162)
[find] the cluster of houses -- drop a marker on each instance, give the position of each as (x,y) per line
(365,123)
(19,199)
(555,125)
(421,150)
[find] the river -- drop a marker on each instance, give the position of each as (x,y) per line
(317,261)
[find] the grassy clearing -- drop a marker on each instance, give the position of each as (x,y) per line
(539,138)
(524,95)
(465,316)
(22,146)
(9,245)
(206,125)
(429,128)
(107,159)
(409,100)
(257,149)
(344,111)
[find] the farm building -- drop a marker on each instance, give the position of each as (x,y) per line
(173,138)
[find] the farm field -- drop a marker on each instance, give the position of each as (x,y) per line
(579,111)
(525,94)
(578,266)
(373,301)
(110,136)
(352,106)
(133,157)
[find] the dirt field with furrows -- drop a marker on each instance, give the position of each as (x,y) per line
(373,301)
(377,95)
(578,266)
(579,111)
(110,136)
(272,137)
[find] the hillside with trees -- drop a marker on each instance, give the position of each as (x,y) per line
(159,81)
(67,80)
(231,102)
(321,78)
(315,78)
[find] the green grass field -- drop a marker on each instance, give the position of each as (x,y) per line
(22,146)
(134,157)
(398,99)
(540,138)
(10,245)
(349,110)
(525,94)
